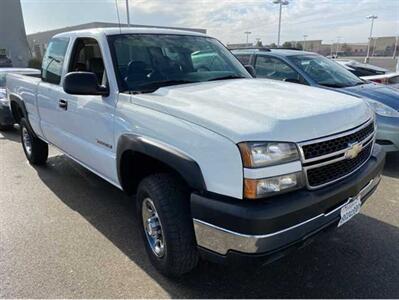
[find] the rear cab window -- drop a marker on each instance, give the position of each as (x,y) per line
(53,60)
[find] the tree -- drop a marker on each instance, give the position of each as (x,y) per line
(273,45)
(259,43)
(299,46)
(287,45)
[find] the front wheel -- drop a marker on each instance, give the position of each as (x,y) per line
(166,224)
(35,149)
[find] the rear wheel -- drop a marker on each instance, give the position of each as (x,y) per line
(166,224)
(35,149)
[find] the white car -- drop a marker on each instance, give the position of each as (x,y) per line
(370,72)
(223,166)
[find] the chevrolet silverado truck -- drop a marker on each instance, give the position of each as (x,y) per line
(222,166)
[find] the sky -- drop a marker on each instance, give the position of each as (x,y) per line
(227,20)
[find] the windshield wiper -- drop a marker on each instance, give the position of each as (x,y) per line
(153,86)
(360,83)
(333,85)
(227,77)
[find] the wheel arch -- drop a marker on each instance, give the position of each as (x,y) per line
(138,157)
(18,108)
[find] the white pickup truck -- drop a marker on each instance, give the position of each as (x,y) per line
(222,165)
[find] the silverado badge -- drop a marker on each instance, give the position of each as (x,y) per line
(353,151)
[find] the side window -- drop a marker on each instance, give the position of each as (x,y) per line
(86,57)
(54,60)
(245,59)
(208,61)
(273,68)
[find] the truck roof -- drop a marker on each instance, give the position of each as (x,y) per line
(127,30)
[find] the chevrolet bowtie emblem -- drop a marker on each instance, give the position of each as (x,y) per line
(353,151)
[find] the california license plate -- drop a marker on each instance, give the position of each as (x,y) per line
(350,210)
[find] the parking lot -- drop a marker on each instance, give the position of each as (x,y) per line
(65,233)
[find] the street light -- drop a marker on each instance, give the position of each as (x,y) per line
(304,42)
(127,13)
(337,48)
(247,33)
(281,2)
(372,18)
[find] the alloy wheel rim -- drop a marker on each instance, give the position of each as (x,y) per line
(27,141)
(153,228)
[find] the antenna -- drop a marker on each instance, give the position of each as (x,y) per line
(119,19)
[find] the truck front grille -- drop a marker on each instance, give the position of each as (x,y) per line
(331,172)
(335,157)
(334,145)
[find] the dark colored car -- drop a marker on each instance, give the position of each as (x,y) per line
(315,70)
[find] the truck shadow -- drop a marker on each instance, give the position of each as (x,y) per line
(11,135)
(351,262)
(392,165)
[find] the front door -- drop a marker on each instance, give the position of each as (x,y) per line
(89,119)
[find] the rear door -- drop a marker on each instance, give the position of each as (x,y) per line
(50,92)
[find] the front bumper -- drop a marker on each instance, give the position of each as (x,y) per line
(388,133)
(227,227)
(6,117)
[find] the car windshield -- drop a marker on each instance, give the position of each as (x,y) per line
(325,72)
(2,80)
(145,62)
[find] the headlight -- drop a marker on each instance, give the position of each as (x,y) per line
(261,188)
(262,154)
(382,109)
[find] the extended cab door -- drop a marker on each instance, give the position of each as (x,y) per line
(88,120)
(50,92)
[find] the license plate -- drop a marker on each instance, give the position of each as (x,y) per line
(350,210)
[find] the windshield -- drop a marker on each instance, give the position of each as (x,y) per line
(145,62)
(2,80)
(325,71)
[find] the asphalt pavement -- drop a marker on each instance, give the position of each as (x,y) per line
(66,233)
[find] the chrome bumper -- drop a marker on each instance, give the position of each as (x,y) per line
(221,240)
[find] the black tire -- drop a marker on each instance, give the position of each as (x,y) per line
(37,154)
(171,200)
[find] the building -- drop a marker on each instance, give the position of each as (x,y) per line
(240,45)
(38,41)
(14,49)
(383,46)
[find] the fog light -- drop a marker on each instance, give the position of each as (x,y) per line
(258,188)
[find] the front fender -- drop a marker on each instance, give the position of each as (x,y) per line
(184,165)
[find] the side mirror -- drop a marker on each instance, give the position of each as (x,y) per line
(83,83)
(251,70)
(292,80)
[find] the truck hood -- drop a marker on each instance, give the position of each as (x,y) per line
(259,109)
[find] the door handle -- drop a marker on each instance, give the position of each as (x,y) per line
(63,104)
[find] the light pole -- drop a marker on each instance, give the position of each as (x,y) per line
(247,33)
(372,18)
(337,48)
(127,13)
(396,46)
(281,2)
(304,42)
